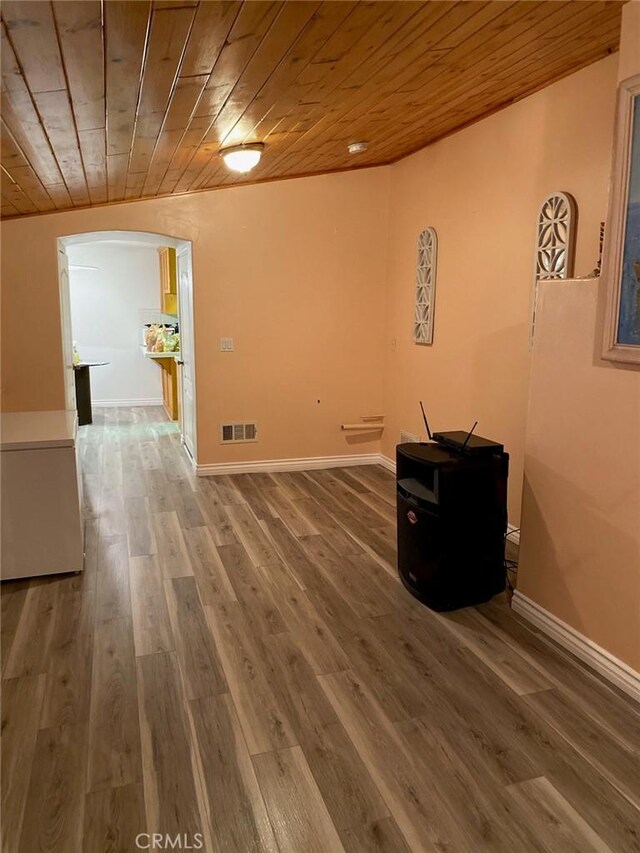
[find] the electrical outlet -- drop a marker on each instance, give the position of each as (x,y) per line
(226,344)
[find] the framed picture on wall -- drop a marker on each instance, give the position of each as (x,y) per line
(621,261)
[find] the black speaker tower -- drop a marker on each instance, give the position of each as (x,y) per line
(452,518)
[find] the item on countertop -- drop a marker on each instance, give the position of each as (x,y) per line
(162,337)
(172,343)
(76,354)
(151,336)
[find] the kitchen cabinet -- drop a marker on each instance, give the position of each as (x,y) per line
(168,281)
(170,387)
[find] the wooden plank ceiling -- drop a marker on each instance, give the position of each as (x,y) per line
(105,101)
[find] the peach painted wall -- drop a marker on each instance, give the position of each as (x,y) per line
(629,63)
(580,544)
(294,271)
(481,189)
(580,540)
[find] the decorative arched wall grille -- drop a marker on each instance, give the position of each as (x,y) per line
(555,237)
(555,242)
(425,286)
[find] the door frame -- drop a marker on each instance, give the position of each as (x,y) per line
(146,238)
(64,294)
(185,248)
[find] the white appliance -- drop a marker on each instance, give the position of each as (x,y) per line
(41,490)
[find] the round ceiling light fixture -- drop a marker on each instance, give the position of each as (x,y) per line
(357,147)
(242,158)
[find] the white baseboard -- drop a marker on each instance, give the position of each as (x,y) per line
(612,668)
(387,463)
(117,404)
(268,466)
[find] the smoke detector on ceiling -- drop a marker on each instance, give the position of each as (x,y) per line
(357,147)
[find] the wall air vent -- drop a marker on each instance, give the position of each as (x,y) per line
(235,433)
(408,438)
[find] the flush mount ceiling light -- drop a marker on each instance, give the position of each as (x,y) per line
(242,158)
(357,147)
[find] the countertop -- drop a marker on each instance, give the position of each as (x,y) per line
(148,354)
(89,364)
(38,430)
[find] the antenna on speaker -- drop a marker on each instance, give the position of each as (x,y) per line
(426,422)
(466,441)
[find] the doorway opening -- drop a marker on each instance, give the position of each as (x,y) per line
(126,300)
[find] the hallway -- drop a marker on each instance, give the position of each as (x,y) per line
(239,663)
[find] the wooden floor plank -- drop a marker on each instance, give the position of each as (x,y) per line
(317,515)
(253,495)
(263,718)
(298,814)
(171,549)
(237,815)
(141,539)
(287,511)
(11,603)
(216,517)
(187,506)
(619,765)
(382,836)
(558,823)
(251,535)
(198,657)
(617,712)
(21,704)
(171,801)
(209,570)
(113,516)
(32,640)
(377,480)
(68,689)
(151,625)
(227,492)
(55,802)
(390,762)
(113,599)
(304,622)
(474,816)
(349,792)
(114,742)
(516,670)
(256,596)
(348,498)
(113,819)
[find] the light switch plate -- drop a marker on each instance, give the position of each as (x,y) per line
(226,344)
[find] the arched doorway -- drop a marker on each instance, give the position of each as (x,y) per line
(184,360)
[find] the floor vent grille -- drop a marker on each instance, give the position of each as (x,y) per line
(235,433)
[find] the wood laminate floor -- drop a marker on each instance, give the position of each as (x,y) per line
(238,660)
